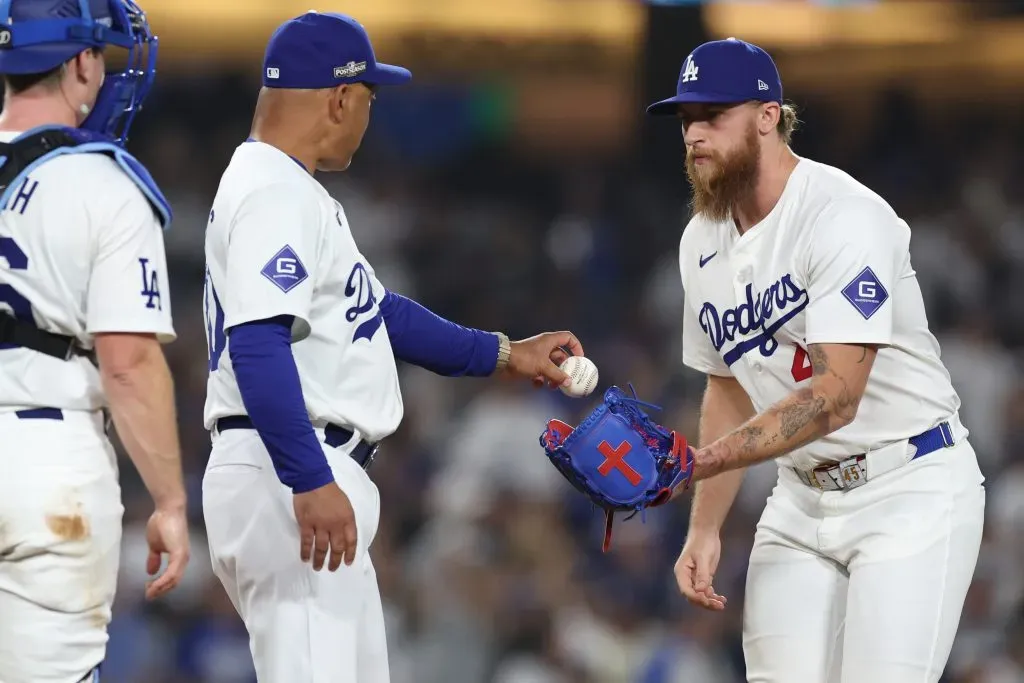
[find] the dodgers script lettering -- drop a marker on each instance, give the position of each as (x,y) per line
(359,287)
(755,313)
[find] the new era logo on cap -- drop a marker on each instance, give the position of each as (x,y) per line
(761,85)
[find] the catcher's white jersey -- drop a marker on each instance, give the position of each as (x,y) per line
(829,264)
(278,244)
(81,252)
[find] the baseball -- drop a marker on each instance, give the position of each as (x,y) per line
(584,376)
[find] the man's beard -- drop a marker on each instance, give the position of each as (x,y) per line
(721,182)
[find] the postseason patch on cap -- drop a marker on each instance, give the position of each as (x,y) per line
(349,70)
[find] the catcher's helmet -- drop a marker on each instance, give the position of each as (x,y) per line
(39,35)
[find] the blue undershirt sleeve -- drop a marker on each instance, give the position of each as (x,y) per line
(423,338)
(268,381)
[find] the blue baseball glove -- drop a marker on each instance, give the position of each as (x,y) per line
(619,458)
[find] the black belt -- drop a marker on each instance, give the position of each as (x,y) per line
(20,333)
(334,436)
(40,414)
(57,414)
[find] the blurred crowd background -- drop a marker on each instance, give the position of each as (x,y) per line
(517,185)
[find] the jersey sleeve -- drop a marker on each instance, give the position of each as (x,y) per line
(128,285)
(856,255)
(272,252)
(378,289)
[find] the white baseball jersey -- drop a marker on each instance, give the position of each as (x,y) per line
(829,264)
(81,252)
(278,244)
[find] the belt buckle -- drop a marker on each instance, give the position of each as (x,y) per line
(812,478)
(850,472)
(842,476)
(946,431)
(806,477)
(371,455)
(839,477)
(817,483)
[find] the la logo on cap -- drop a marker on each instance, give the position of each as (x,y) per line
(689,71)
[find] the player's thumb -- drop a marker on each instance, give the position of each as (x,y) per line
(555,375)
(153,562)
(702,574)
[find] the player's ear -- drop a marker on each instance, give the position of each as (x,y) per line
(335,103)
(77,69)
(340,102)
(85,64)
(768,117)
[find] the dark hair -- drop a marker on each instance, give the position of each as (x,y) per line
(19,83)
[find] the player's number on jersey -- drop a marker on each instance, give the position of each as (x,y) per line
(214,315)
(801,364)
(15,259)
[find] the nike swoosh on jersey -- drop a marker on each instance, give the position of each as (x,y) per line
(704,259)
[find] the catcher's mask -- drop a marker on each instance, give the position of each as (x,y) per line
(37,36)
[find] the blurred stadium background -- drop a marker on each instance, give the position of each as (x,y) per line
(517,185)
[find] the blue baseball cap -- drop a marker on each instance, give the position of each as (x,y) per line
(724,72)
(324,50)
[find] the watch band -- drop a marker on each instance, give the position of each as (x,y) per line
(504,351)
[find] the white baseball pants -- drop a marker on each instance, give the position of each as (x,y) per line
(304,626)
(60,542)
(865,585)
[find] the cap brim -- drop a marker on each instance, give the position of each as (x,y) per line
(387,74)
(671,105)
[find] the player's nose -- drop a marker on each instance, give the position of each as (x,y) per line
(694,132)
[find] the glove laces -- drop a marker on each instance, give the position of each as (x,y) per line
(635,400)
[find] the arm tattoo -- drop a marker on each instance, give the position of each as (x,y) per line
(808,409)
(742,447)
(819,360)
(845,404)
(751,435)
(797,420)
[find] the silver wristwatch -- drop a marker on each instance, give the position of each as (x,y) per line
(504,351)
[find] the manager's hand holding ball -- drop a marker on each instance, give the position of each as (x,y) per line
(554,359)
(583,376)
